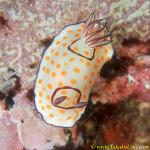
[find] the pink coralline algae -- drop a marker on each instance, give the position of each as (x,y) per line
(33,21)
(128,76)
(133,48)
(135,83)
(117,90)
(33,132)
(8,133)
(141,86)
(27,28)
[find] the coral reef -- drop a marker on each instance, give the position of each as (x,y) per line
(118,110)
(33,132)
(32,22)
(8,133)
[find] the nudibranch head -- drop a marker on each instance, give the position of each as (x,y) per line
(68,69)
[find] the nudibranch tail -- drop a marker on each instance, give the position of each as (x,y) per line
(95,33)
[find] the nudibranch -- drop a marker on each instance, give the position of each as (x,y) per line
(68,69)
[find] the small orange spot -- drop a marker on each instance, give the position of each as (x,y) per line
(97,48)
(72,40)
(102,58)
(84,96)
(74,118)
(51,115)
(76,70)
(56,53)
(53,74)
(106,50)
(65,64)
(85,77)
(48,106)
(73,81)
(79,30)
(64,92)
(87,64)
(77,35)
(52,61)
(69,31)
(62,111)
(76,111)
(86,52)
(39,81)
(74,103)
(65,54)
(49,86)
(82,26)
(63,73)
(58,66)
(60,83)
(68,118)
(75,48)
(57,42)
(65,44)
(48,97)
(64,37)
(98,60)
(42,107)
(71,59)
(47,70)
(95,66)
(47,58)
(40,94)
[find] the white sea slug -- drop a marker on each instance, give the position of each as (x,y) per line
(68,69)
